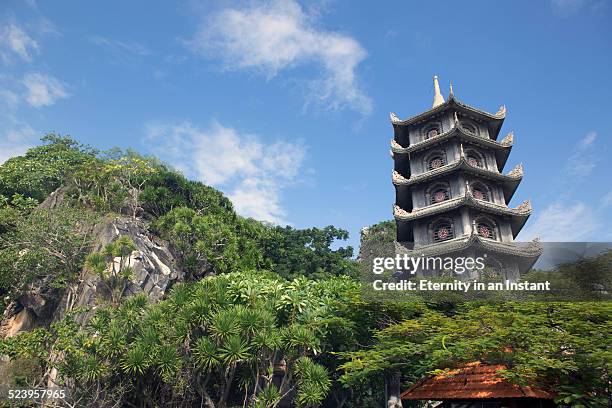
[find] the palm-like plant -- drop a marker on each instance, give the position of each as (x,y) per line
(268,398)
(223,325)
(168,361)
(301,338)
(114,341)
(205,353)
(313,383)
(91,369)
(96,262)
(135,361)
(234,350)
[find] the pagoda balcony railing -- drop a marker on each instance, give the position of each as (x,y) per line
(514,175)
(522,210)
(506,143)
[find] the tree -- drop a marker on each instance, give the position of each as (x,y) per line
(562,346)
(43,168)
(49,245)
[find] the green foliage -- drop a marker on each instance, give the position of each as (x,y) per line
(162,351)
(113,266)
(13,209)
(202,240)
(308,252)
(48,244)
(305,330)
(43,168)
(563,346)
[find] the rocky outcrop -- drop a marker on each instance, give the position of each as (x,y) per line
(154,266)
(155,270)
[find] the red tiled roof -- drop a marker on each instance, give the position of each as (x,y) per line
(473,381)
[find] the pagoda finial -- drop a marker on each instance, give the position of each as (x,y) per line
(451,93)
(438,98)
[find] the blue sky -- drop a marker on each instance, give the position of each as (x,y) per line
(285,106)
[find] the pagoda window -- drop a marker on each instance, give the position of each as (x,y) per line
(431,130)
(480,191)
(469,128)
(486,228)
(436,160)
(442,230)
(437,193)
(475,158)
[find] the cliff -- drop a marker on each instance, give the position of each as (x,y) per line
(154,266)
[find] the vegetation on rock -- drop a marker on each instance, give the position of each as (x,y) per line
(268,316)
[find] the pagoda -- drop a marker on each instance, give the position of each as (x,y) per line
(451,192)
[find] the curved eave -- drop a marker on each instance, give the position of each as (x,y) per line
(518,216)
(529,251)
(502,149)
(495,120)
(508,181)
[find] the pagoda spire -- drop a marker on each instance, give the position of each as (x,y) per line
(438,98)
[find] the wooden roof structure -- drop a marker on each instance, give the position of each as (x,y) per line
(474,381)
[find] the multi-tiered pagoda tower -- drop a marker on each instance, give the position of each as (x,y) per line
(451,195)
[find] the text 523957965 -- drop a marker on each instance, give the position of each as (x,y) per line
(35,394)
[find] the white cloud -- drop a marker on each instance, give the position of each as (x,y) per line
(14,40)
(15,141)
(563,223)
(271,36)
(251,172)
(583,160)
(43,89)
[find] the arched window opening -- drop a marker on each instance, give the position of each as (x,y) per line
(475,158)
(431,130)
(469,128)
(480,191)
(436,160)
(486,229)
(443,230)
(438,193)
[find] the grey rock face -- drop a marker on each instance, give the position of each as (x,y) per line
(155,270)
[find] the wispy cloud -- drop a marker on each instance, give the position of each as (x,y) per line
(130,47)
(583,160)
(15,140)
(606,201)
(252,173)
(43,89)
(568,7)
(272,36)
(15,41)
(561,222)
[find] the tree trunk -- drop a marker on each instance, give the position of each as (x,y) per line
(394,381)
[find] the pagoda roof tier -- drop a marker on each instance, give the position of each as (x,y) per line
(501,149)
(518,215)
(495,120)
(527,253)
(509,181)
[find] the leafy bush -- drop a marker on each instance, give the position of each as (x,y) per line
(43,168)
(230,338)
(50,245)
